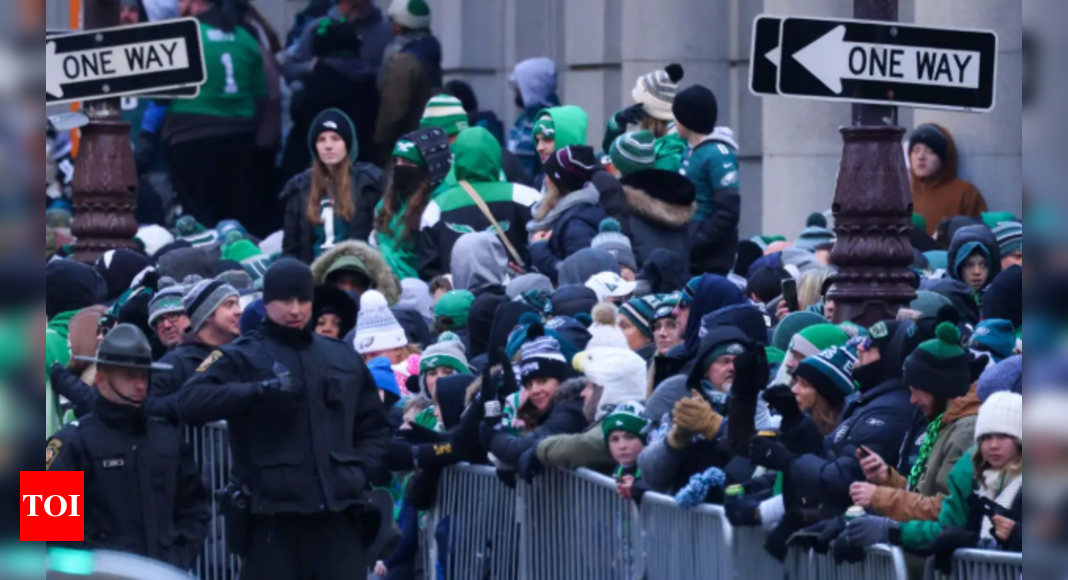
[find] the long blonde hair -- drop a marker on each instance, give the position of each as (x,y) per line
(810,289)
(336,182)
(826,416)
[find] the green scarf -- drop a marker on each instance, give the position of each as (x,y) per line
(929,440)
(619,473)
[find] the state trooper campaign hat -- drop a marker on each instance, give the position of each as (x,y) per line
(125,346)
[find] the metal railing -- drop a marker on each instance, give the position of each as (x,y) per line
(751,560)
(682,543)
(477,515)
(211,451)
(982,565)
(882,563)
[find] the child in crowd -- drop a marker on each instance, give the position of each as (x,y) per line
(626,431)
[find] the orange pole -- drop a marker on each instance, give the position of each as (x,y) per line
(74,22)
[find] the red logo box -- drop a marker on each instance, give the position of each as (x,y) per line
(53,506)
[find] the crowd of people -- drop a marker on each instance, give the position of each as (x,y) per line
(433,289)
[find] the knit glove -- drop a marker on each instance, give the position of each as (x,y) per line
(695,492)
(632,115)
(870,530)
(751,376)
(744,512)
(434,456)
(820,536)
(783,401)
(695,414)
(769,453)
(529,465)
(845,552)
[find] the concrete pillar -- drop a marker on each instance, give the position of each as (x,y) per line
(802,145)
(591,61)
(990,145)
(745,115)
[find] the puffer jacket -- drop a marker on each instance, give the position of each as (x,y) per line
(382,278)
(896,501)
(660,206)
(565,417)
(965,241)
(573,224)
(299,234)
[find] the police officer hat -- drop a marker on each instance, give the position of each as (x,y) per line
(125,346)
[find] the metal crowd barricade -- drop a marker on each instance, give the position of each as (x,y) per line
(687,543)
(211,451)
(574,526)
(477,515)
(751,560)
(882,563)
(982,565)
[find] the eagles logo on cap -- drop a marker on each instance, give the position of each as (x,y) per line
(735,349)
(330,125)
(879,330)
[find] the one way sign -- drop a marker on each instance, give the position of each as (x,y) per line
(128,60)
(887,63)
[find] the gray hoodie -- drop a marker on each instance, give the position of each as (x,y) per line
(479,261)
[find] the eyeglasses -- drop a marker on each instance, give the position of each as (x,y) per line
(170,318)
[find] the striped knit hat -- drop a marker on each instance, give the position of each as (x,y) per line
(244,252)
(541,357)
(656,91)
(1010,237)
(831,373)
(411,14)
(689,290)
(203,299)
(641,312)
(189,229)
(817,338)
(168,300)
(448,351)
(634,151)
(447,112)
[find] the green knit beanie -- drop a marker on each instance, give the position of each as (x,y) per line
(627,417)
(831,373)
(454,307)
(447,112)
(545,125)
(818,338)
(631,152)
(940,366)
(406,149)
(792,324)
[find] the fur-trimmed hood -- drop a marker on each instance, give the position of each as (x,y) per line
(382,278)
(665,197)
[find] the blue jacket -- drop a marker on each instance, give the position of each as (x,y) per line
(878,419)
(572,231)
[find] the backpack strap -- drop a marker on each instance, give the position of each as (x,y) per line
(475,197)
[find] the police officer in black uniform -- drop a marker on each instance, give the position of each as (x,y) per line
(307,432)
(143,493)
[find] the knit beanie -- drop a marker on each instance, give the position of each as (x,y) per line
(629,417)
(411,14)
(288,278)
(689,291)
(696,109)
(541,357)
(572,301)
(816,220)
(337,121)
(666,305)
(818,338)
(929,303)
(1010,237)
(447,112)
(791,325)
(831,373)
(572,167)
(612,240)
(520,285)
(995,336)
(932,137)
(1001,414)
(249,255)
(1006,375)
(609,285)
(448,351)
(993,219)
(120,268)
(656,91)
(577,268)
(203,299)
(940,366)
(187,228)
(919,222)
(775,356)
(620,372)
(377,329)
(631,152)
(641,312)
(452,308)
(814,237)
(153,237)
(168,300)
(545,126)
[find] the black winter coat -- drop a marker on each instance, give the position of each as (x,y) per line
(660,206)
(564,418)
(302,453)
(879,419)
(574,230)
(143,491)
(299,234)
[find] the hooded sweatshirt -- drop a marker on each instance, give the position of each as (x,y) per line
(484,263)
(965,242)
(477,159)
(535,79)
(944,195)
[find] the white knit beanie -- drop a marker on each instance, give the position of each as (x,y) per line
(154,237)
(1001,414)
(377,329)
(605,330)
(413,14)
(656,91)
(621,372)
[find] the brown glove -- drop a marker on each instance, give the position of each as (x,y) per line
(695,414)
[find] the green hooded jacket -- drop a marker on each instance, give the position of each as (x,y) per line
(57,349)
(452,213)
(916,534)
(401,254)
(571,124)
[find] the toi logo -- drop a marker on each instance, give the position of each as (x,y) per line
(53,506)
